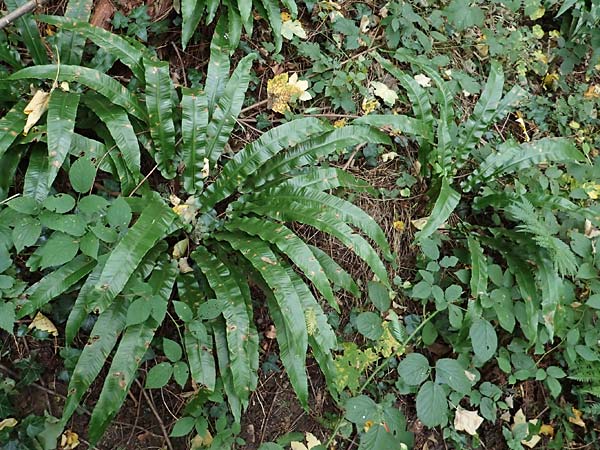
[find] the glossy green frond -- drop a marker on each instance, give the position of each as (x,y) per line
(291,246)
(11,125)
(114,91)
(36,178)
(70,44)
(335,272)
(194,120)
(30,33)
(445,204)
(217,72)
(326,178)
(285,309)
(159,90)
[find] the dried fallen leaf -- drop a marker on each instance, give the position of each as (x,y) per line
(422,80)
(69,440)
(388,96)
(205,168)
(42,323)
(468,421)
(547,430)
(291,28)
(201,441)
(184,266)
(419,224)
(369,105)
(593,91)
(271,332)
(180,248)
(8,423)
(311,441)
(35,109)
(519,418)
(576,419)
(590,231)
(389,156)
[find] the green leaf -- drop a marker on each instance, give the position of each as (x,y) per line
(414,369)
(181,373)
(159,375)
(70,44)
(71,224)
(235,403)
(445,204)
(199,348)
(397,123)
(217,73)
(112,43)
(93,356)
(285,309)
(432,406)
(183,311)
(30,33)
(89,245)
(227,109)
(191,12)
(194,120)
(120,129)
(379,295)
(114,91)
(335,272)
(58,249)
(479,276)
(462,15)
(82,175)
(26,232)
(593,301)
(183,426)
(7,317)
(24,205)
(149,229)
(138,312)
(292,246)
(159,90)
(12,125)
(450,371)
(360,409)
(172,350)
(369,325)
(378,437)
(59,203)
(119,214)
(483,339)
(62,111)
(504,307)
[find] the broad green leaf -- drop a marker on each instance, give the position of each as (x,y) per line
(159,375)
(523,273)
(7,317)
(379,295)
(378,437)
(235,314)
(397,123)
(159,90)
(93,356)
(414,369)
(194,120)
(112,43)
(62,111)
(479,276)
(59,203)
(369,325)
(82,175)
(552,288)
(273,15)
(181,373)
(138,312)
(9,164)
(432,406)
(198,348)
(26,232)
(593,301)
(450,371)
(226,110)
(183,426)
(289,244)
(483,339)
(119,214)
(114,91)
(149,228)
(360,409)
(285,308)
(70,44)
(89,245)
(504,307)
(11,125)
(71,224)
(326,178)
(30,33)
(462,15)
(445,204)
(58,249)
(24,205)
(120,129)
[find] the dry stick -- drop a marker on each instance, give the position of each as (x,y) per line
(20,11)
(156,414)
(143,180)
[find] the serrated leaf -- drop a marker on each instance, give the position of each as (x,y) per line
(450,371)
(432,406)
(414,369)
(369,325)
(483,339)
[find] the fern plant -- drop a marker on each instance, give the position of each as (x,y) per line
(235,15)
(124,256)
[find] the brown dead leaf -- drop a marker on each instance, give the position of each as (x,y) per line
(576,419)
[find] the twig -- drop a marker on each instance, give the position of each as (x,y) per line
(143,180)
(255,105)
(156,414)
(20,11)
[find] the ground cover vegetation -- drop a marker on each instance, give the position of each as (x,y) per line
(313,225)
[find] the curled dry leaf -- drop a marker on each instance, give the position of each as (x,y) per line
(388,96)
(69,440)
(35,109)
(41,322)
(311,441)
(590,231)
(10,422)
(576,419)
(180,248)
(468,421)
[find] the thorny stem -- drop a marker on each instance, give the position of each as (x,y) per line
(379,369)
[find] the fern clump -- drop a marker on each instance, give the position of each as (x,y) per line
(128,259)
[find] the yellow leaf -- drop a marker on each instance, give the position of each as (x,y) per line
(35,109)
(368,425)
(42,323)
(8,423)
(399,225)
(184,265)
(547,430)
(576,419)
(521,123)
(283,89)
(201,441)
(205,168)
(388,96)
(550,80)
(468,421)
(69,440)
(339,123)
(593,91)
(369,105)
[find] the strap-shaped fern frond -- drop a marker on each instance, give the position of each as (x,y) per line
(326,178)
(131,349)
(335,272)
(70,44)
(291,246)
(286,307)
(30,34)
(36,177)
(11,126)
(194,121)
(237,320)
